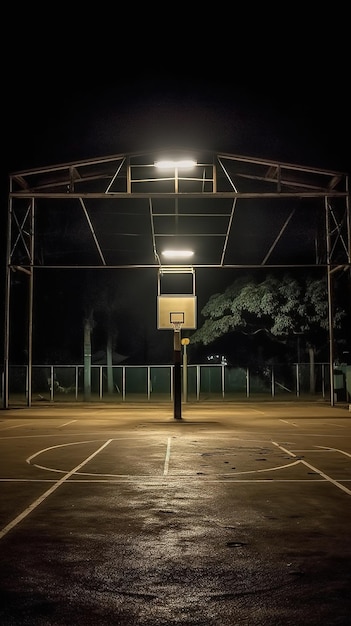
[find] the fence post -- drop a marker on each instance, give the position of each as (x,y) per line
(101,382)
(123,382)
(323,380)
(273,383)
(297,374)
(148,382)
(52,374)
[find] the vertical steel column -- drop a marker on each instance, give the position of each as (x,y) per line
(7,306)
(330,304)
(348,222)
(30,305)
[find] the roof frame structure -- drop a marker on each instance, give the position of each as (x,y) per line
(126,211)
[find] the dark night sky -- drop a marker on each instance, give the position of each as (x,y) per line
(267,83)
(306,124)
(289,104)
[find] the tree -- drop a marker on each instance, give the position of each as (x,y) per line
(279,307)
(104,302)
(88,325)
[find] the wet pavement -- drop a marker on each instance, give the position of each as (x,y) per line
(238,514)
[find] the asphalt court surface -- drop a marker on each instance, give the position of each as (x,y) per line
(235,514)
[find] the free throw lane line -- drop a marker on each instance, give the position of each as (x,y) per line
(315,469)
(47,493)
(168,455)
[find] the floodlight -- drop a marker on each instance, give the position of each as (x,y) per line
(170,164)
(177,254)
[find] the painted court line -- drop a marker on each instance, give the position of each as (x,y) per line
(47,493)
(16,426)
(334,482)
(334,450)
(59,445)
(168,455)
(315,469)
(284,449)
(290,423)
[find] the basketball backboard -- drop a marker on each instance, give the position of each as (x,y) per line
(177,310)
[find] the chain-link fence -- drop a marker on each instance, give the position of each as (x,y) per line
(62,383)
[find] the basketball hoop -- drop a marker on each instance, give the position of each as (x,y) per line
(176,319)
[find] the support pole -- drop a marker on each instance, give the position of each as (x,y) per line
(30,312)
(5,388)
(330,306)
(177,379)
(185,342)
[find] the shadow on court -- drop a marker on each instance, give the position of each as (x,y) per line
(235,514)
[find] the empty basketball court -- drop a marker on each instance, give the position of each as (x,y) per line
(235,514)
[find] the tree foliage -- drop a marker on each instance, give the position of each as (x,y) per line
(279,307)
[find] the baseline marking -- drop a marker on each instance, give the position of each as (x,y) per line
(47,493)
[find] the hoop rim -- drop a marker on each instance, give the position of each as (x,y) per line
(176,326)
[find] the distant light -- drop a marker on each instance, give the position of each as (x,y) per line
(169,164)
(177,254)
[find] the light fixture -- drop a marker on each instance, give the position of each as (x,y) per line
(177,254)
(170,164)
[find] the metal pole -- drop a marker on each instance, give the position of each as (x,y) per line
(330,306)
(177,381)
(185,342)
(30,313)
(149,388)
(331,338)
(52,378)
(7,308)
(273,382)
(297,373)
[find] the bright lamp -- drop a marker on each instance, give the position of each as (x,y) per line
(170,164)
(177,254)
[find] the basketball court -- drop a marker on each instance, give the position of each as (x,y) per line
(235,513)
